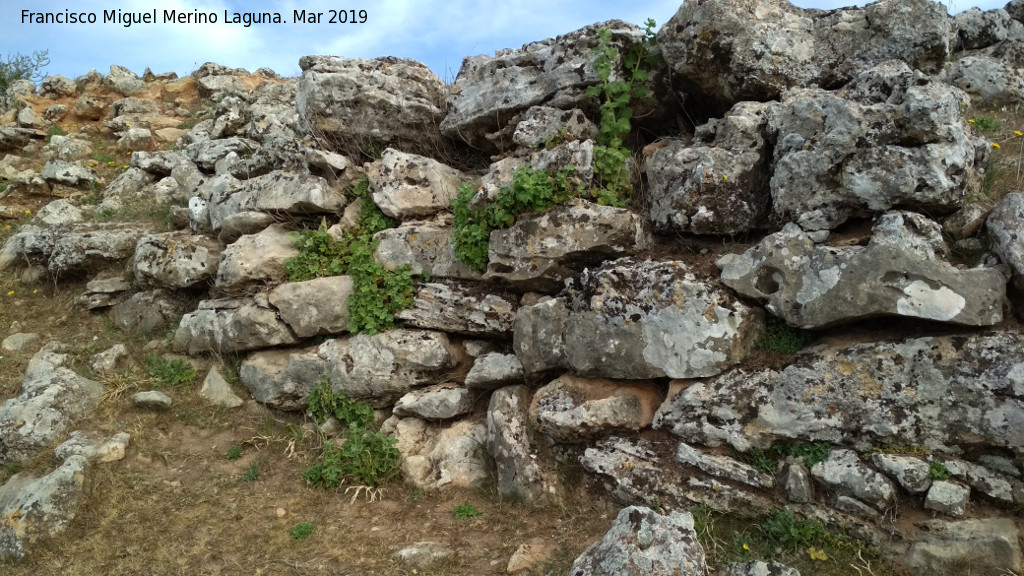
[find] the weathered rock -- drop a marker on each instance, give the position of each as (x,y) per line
(938,393)
(36,509)
(236,225)
(723,466)
(992,82)
(1006,229)
(423,554)
(56,113)
(290,193)
(90,107)
(435,456)
(51,400)
(758,568)
(843,471)
(152,400)
(21,342)
(724,51)
(461,309)
(510,442)
(441,402)
(370,101)
(888,139)
(66,173)
(57,86)
(489,92)
(948,497)
(634,320)
(644,542)
(986,546)
(426,247)
(149,311)
(135,139)
(66,148)
(898,273)
(540,251)
(206,153)
(854,507)
(383,367)
(232,325)
(58,213)
(314,307)
(573,409)
(965,222)
(411,186)
(98,450)
(158,163)
(982,480)
(530,556)
(103,292)
(123,81)
(910,472)
(217,392)
(493,370)
(796,481)
(175,260)
(542,126)
(109,360)
(254,260)
(719,184)
(85,248)
(27,118)
(977,29)
(282,379)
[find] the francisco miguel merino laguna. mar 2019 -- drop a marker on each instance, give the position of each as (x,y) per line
(195,16)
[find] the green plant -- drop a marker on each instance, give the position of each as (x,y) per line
(325,403)
(251,473)
(302,530)
(367,457)
(985,124)
(234,453)
(465,511)
(417,495)
(103,157)
(371,219)
(55,131)
(22,67)
(780,337)
(792,534)
(768,460)
(938,471)
(169,372)
(611,157)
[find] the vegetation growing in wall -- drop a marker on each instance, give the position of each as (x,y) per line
(781,337)
(324,403)
(767,461)
(377,294)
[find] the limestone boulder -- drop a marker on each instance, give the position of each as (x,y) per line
(540,251)
(254,260)
(493,370)
(283,378)
(436,456)
(40,508)
(67,173)
(992,82)
(939,392)
(232,325)
(461,309)
(541,126)
(633,319)
(80,249)
(1006,229)
(376,101)
(175,260)
(511,442)
(441,402)
(843,472)
(901,272)
(411,186)
(574,409)
(987,545)
(644,542)
(149,311)
(314,307)
(426,247)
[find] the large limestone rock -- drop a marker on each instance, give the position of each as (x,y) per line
(37,509)
(149,311)
(940,393)
(1006,229)
(254,260)
(370,101)
(175,260)
(634,319)
(992,82)
(411,186)
(441,402)
(232,325)
(985,546)
(490,91)
(282,379)
(844,473)
(52,398)
(426,247)
(573,409)
(899,273)
(724,51)
(642,542)
(540,251)
(82,249)
(719,184)
(314,307)
(462,309)
(511,443)
(383,367)
(441,455)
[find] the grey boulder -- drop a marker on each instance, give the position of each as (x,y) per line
(642,542)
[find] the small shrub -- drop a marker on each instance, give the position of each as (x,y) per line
(324,403)
(302,530)
(985,124)
(938,471)
(417,495)
(368,458)
(234,453)
(251,473)
(169,372)
(792,534)
(465,511)
(780,337)
(768,460)
(55,131)
(22,67)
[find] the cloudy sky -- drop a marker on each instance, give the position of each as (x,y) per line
(437,33)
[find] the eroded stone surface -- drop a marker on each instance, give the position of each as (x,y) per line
(843,471)
(511,443)
(573,409)
(642,542)
(460,309)
(232,325)
(36,509)
(988,545)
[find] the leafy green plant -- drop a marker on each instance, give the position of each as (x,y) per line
(22,67)
(103,157)
(465,511)
(780,337)
(417,495)
(792,534)
(938,471)
(368,458)
(251,473)
(768,460)
(234,453)
(371,219)
(325,403)
(169,372)
(611,157)
(55,131)
(985,124)
(531,191)
(302,530)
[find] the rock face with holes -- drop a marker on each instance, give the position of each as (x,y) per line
(37,509)
(899,273)
(411,186)
(175,260)
(934,392)
(634,319)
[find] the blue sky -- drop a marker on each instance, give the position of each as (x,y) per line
(437,33)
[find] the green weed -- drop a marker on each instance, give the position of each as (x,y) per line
(780,337)
(368,458)
(169,372)
(302,530)
(55,131)
(938,471)
(465,511)
(985,124)
(234,453)
(252,473)
(767,461)
(325,403)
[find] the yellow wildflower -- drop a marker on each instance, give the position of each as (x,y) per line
(996,146)
(11,293)
(971,121)
(745,547)
(28,211)
(1017,132)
